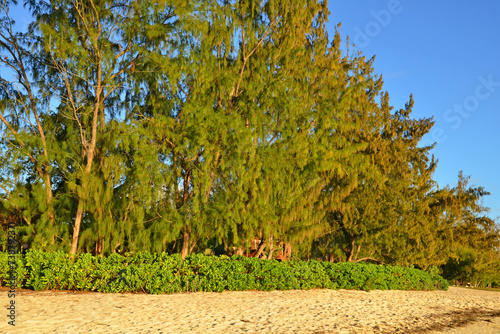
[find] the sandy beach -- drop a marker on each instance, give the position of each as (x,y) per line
(314,311)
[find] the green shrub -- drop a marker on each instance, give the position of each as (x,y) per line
(162,273)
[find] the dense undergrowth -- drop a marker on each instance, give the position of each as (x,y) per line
(163,273)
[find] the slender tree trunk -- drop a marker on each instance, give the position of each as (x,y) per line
(43,173)
(22,76)
(116,246)
(76,228)
(271,248)
(79,211)
(357,253)
(89,149)
(351,251)
(288,251)
(260,249)
(99,246)
(185,243)
(239,251)
(193,245)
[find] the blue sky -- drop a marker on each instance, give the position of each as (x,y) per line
(447,54)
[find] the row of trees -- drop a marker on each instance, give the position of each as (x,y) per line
(167,125)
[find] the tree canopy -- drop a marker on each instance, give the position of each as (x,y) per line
(220,126)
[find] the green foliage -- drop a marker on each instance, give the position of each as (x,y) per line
(21,270)
(155,274)
(184,125)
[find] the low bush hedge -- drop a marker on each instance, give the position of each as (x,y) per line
(162,273)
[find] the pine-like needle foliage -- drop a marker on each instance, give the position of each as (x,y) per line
(235,127)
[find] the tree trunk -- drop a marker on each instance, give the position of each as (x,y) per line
(262,245)
(271,247)
(99,246)
(116,246)
(79,212)
(185,243)
(193,244)
(351,252)
(50,208)
(288,251)
(357,253)
(239,251)
(76,228)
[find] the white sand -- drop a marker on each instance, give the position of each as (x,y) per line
(481,326)
(314,311)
